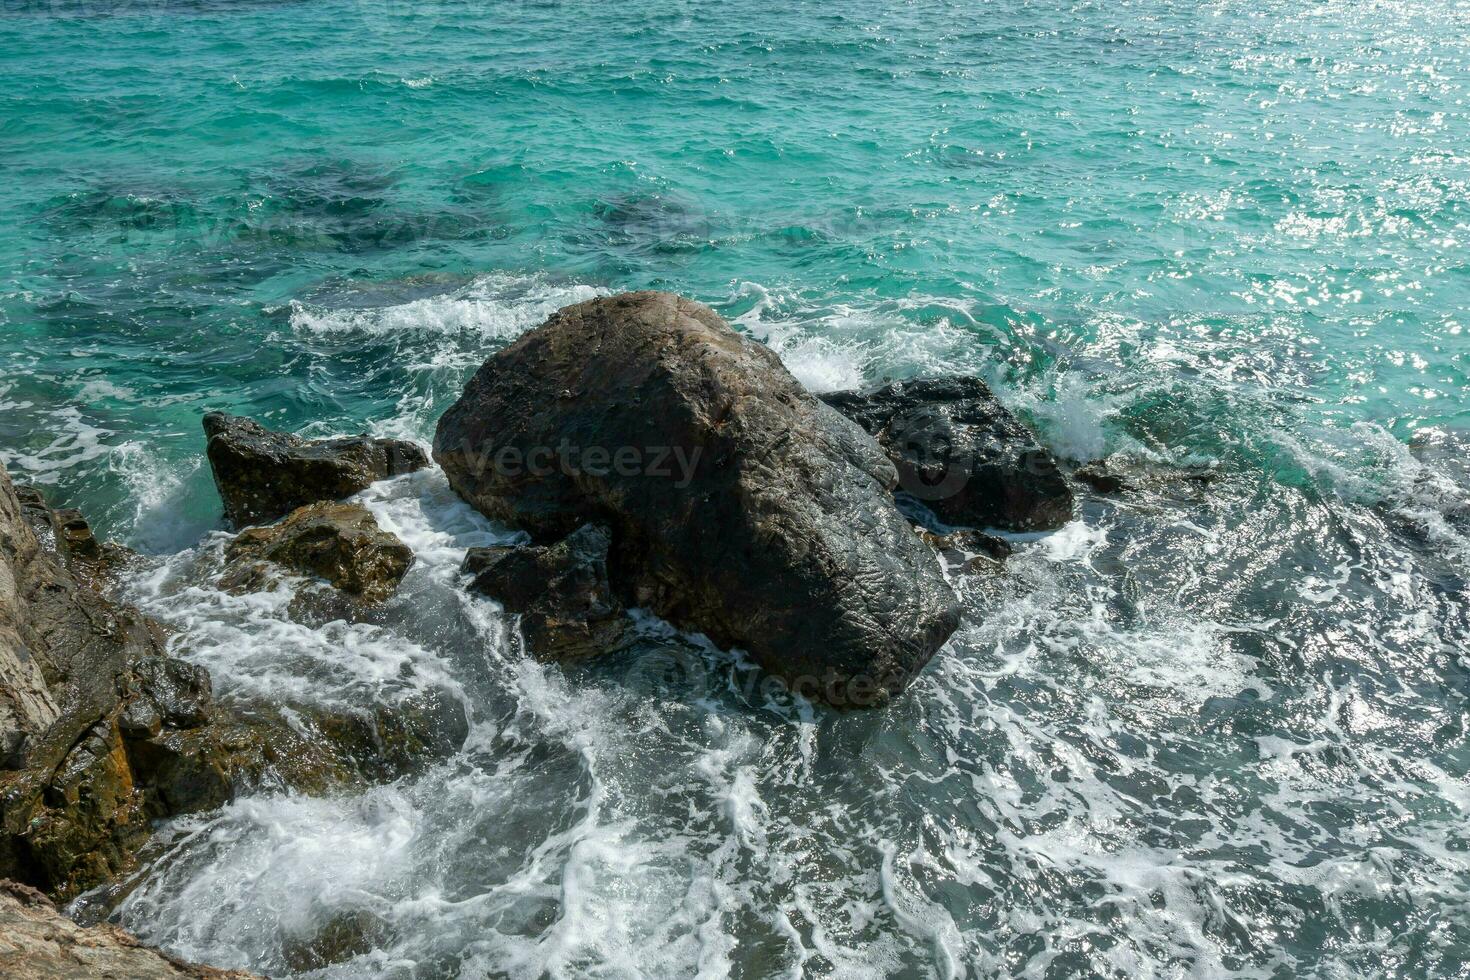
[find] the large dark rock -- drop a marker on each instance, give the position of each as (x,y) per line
(739,504)
(59,632)
(341,543)
(71,809)
(38,942)
(263,474)
(962,454)
(561,592)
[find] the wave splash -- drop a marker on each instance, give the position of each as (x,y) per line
(1119,764)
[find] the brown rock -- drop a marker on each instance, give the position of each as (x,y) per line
(561,592)
(341,543)
(101,730)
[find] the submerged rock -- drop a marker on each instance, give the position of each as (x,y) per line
(37,942)
(971,542)
(560,591)
(341,543)
(739,505)
(387,741)
(962,454)
(342,937)
(1120,474)
(1101,478)
(263,474)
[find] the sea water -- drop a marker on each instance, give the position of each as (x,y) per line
(1208,728)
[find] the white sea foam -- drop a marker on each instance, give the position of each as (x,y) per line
(1024,795)
(492,307)
(156,493)
(835,346)
(76,441)
(258,649)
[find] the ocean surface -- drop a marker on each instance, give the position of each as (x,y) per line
(1212,728)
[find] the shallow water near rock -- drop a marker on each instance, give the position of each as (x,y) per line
(1211,728)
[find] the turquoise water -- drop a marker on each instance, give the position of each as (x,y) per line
(1213,730)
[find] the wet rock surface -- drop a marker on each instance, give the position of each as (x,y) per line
(341,543)
(961,453)
(38,942)
(263,474)
(385,742)
(1124,474)
(1100,477)
(971,542)
(102,731)
(561,592)
(739,505)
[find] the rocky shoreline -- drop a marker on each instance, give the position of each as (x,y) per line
(38,942)
(657,459)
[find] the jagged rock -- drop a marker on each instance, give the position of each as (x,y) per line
(75,536)
(73,638)
(1124,474)
(26,705)
(560,591)
(32,507)
(343,936)
(740,505)
(263,474)
(70,536)
(1097,475)
(962,454)
(102,732)
(37,942)
(341,543)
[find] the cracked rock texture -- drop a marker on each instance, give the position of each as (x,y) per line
(341,543)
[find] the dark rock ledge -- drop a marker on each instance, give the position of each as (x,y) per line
(340,543)
(962,454)
(263,474)
(267,476)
